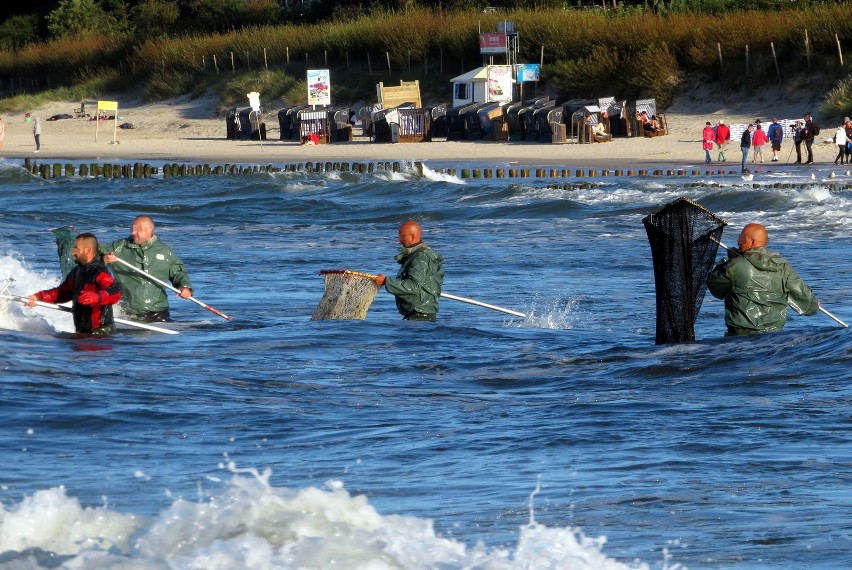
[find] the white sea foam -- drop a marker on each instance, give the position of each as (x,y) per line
(25,281)
(252,525)
(434,176)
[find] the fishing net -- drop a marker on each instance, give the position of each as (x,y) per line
(683,254)
(65,239)
(348,295)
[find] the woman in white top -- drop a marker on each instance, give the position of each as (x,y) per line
(840,139)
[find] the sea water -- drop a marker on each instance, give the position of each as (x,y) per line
(566,439)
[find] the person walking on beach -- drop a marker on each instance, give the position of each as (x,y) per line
(143,299)
(745,144)
(809,132)
(757,285)
(417,285)
(90,288)
(2,132)
(37,133)
(758,139)
(723,138)
(709,136)
(848,124)
(776,136)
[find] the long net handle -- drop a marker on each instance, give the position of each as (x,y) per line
(47,305)
(175,289)
(350,273)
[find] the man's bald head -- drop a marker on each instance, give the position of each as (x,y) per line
(142,229)
(753,235)
(409,233)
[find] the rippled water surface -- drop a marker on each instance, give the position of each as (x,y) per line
(567,439)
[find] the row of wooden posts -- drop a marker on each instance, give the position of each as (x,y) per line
(775,56)
(169,170)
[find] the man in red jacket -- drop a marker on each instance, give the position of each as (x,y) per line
(90,288)
(723,138)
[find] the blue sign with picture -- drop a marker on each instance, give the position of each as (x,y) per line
(528,72)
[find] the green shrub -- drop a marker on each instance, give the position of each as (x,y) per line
(654,72)
(838,102)
(272,86)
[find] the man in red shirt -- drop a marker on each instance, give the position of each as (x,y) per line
(90,288)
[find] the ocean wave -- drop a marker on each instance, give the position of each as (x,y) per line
(250,524)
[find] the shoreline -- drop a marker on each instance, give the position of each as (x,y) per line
(192,131)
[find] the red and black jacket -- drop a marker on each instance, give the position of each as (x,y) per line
(90,277)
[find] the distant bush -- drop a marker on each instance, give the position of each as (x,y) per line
(838,102)
(19,31)
(272,86)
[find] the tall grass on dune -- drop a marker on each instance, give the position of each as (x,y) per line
(626,52)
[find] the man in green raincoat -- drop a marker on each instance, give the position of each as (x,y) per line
(417,285)
(757,285)
(143,299)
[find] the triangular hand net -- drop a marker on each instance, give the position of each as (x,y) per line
(683,254)
(348,295)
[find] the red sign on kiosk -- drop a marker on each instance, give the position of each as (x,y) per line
(492,42)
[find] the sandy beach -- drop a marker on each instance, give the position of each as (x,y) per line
(193,130)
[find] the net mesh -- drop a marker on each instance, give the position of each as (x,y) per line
(683,255)
(348,295)
(65,239)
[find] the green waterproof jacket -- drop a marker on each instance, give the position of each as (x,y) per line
(139,294)
(417,285)
(757,286)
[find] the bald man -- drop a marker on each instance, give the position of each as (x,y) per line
(90,288)
(417,285)
(757,285)
(143,299)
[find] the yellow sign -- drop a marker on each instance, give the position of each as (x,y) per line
(107,105)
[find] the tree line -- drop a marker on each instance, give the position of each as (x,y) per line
(47,20)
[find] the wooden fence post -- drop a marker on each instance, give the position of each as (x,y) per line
(265,62)
(288,55)
(215,64)
(369,65)
(807,48)
(233,67)
(747,66)
(387,55)
(775,57)
(839,51)
(721,64)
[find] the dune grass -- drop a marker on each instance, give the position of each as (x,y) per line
(627,53)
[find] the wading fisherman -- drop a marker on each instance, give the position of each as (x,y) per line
(757,285)
(143,300)
(417,285)
(90,288)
